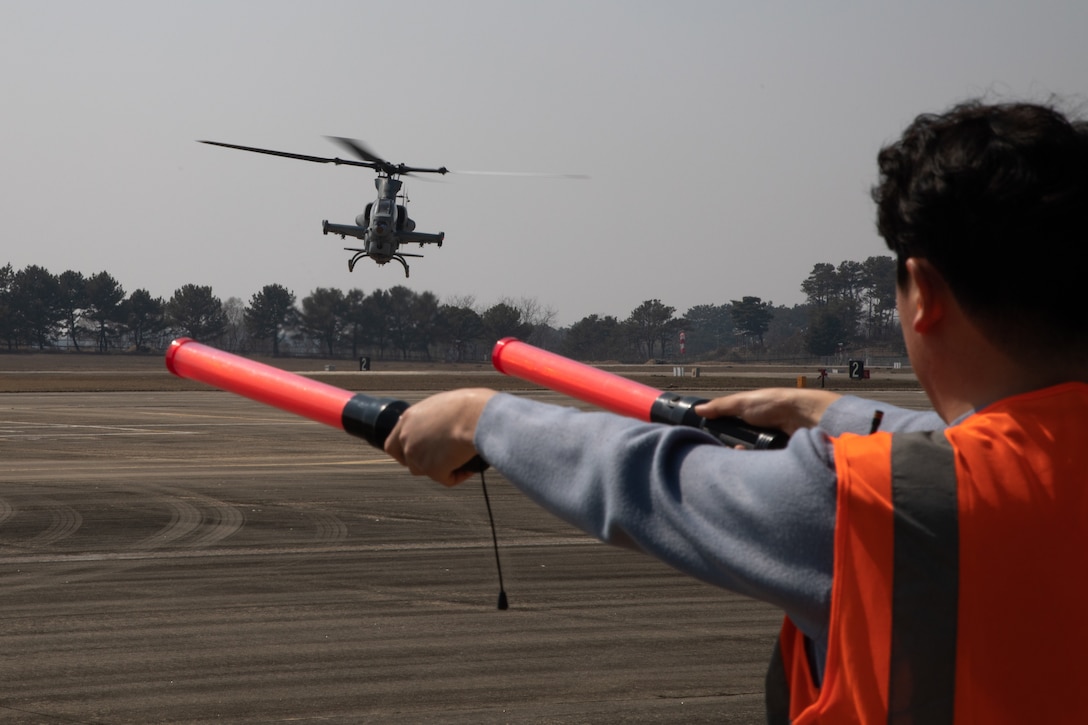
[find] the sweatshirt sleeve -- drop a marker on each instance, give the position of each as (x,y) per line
(850,414)
(760,523)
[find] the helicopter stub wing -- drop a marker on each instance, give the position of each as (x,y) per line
(351,230)
(343,230)
(420,238)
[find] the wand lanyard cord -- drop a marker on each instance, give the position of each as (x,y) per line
(503,603)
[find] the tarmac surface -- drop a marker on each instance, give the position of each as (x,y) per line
(190,556)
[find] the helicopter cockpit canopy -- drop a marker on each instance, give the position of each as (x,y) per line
(384,208)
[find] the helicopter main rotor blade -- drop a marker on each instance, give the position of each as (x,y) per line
(544,175)
(301,157)
(370,160)
(359,149)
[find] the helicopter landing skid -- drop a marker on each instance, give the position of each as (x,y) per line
(360,254)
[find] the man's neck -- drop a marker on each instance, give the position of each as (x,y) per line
(986,375)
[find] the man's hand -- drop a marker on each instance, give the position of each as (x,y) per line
(784,409)
(434,437)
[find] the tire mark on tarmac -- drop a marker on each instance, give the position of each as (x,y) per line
(328,528)
(64,521)
(223,522)
(184,519)
(210,519)
(193,526)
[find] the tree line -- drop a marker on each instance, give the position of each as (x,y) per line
(847,305)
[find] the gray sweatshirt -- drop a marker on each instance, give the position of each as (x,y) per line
(760,523)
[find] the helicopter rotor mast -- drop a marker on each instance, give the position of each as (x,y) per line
(359,149)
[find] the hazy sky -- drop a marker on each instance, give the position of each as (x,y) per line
(730,145)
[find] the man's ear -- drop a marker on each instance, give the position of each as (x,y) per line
(926,295)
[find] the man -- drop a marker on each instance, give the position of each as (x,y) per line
(935,571)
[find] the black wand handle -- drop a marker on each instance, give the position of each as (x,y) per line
(676,409)
(373,419)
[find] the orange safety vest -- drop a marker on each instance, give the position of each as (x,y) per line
(960,585)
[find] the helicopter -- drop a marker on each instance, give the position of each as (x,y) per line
(385,225)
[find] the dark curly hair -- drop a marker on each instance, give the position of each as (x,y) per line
(995,196)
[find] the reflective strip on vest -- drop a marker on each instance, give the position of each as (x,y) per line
(921,687)
(925,593)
